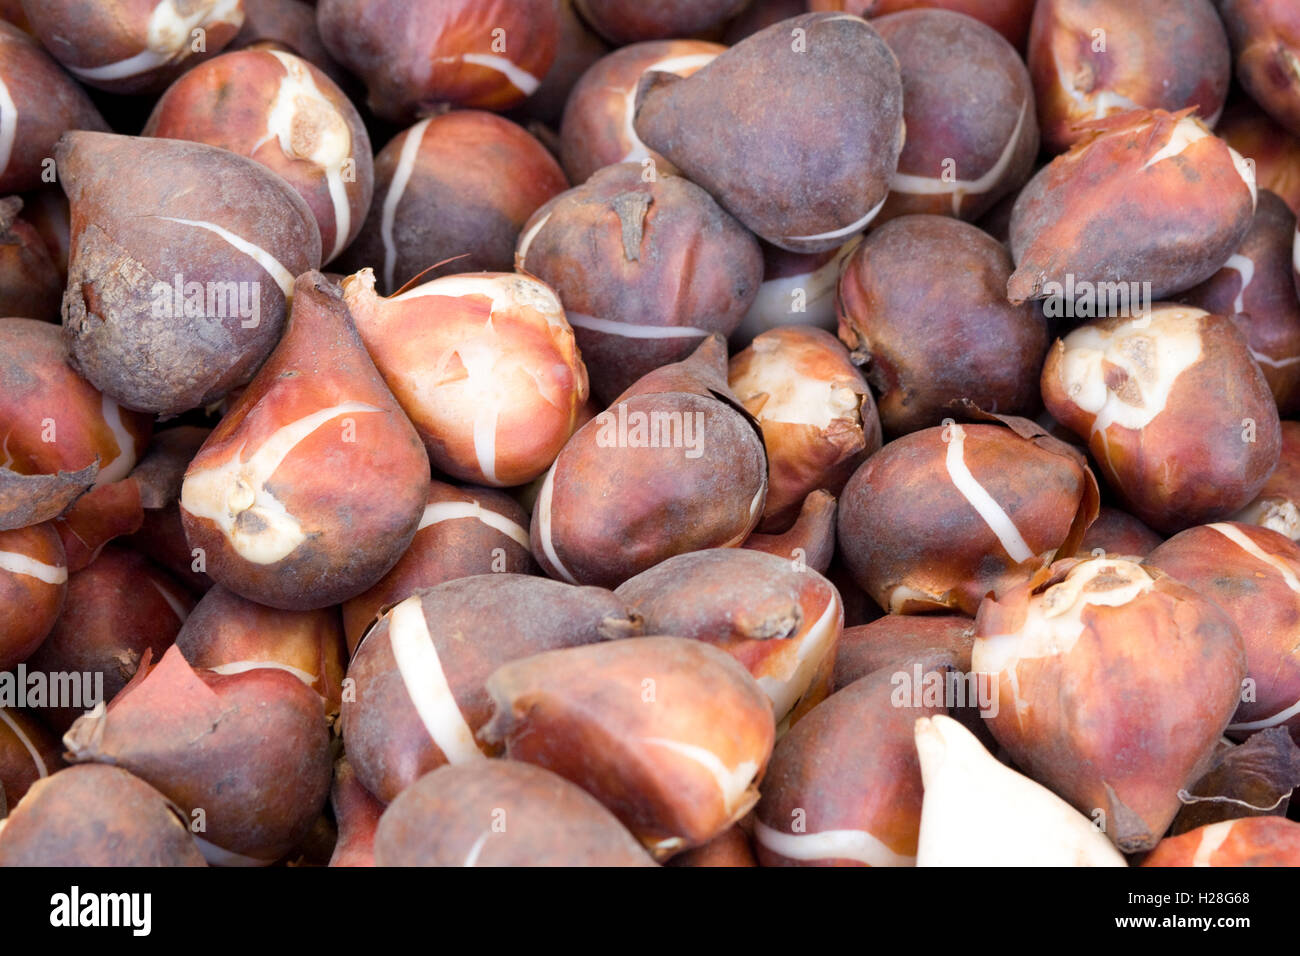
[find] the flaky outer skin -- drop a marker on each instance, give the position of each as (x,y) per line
(124,244)
(805,456)
(799,146)
(1192,462)
(1277,505)
(447,819)
(1093,719)
(251,750)
(623,719)
(412,56)
(1159,54)
(485,365)
(779,619)
(1185,214)
(1251,132)
(96,816)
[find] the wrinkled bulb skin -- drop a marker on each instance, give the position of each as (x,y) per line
(691,433)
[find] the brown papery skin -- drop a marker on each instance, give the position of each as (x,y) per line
(125,242)
(388,743)
(289,25)
(443,820)
(1118,532)
(656,500)
(1276,152)
(56,422)
(225,629)
(1008,17)
(1266,308)
(1108,725)
(1265,37)
(475,180)
(594,129)
(90,36)
(786,365)
(228,102)
(1259,599)
(731,848)
(485,365)
(579,49)
(630,21)
(904,523)
(118,609)
(411,56)
(357,813)
(29,605)
(1192,463)
(728,128)
(769,613)
(21,734)
(898,637)
(251,750)
(358,500)
(810,540)
(873,783)
(30,284)
(445,550)
(661,254)
(1182,216)
(1254,841)
(96,816)
(922,304)
(586,712)
(969,106)
(1158,54)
